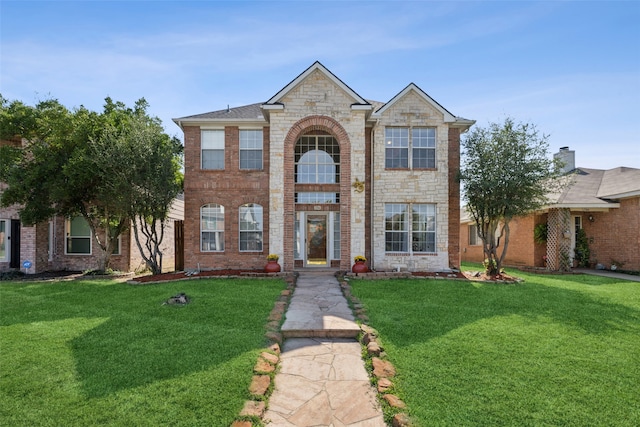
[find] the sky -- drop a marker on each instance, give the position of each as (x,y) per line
(572,68)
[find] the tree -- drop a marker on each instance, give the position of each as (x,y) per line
(506,172)
(72,165)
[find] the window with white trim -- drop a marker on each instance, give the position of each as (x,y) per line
(410,146)
(317,160)
(212,147)
(474,237)
(212,228)
(419,228)
(4,240)
(251,149)
(78,236)
(251,224)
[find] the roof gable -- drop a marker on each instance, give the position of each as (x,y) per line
(276,100)
(412,87)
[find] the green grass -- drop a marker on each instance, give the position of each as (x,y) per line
(104,353)
(552,351)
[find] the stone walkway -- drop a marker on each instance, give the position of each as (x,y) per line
(322,380)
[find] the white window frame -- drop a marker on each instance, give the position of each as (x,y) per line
(255,210)
(212,140)
(474,237)
(245,146)
(430,229)
(407,227)
(405,138)
(5,232)
(206,227)
(67,234)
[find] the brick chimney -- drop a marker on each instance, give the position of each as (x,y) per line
(568,157)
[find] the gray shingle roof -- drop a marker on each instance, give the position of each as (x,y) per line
(251,111)
(594,187)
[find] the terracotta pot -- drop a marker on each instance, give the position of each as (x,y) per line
(359,267)
(272,267)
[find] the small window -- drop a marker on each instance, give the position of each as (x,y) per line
(212,228)
(4,240)
(78,235)
(474,238)
(251,227)
(251,149)
(212,142)
(317,197)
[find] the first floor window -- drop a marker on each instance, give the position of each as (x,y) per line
(251,149)
(212,228)
(251,227)
(473,235)
(396,228)
(423,228)
(212,145)
(78,236)
(4,240)
(419,228)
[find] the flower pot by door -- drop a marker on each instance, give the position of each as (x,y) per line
(359,267)
(272,267)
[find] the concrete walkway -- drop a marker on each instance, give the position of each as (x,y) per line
(608,273)
(322,380)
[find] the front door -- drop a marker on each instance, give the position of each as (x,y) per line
(316,247)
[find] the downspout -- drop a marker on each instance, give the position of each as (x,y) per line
(372,210)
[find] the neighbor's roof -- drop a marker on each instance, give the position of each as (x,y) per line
(591,189)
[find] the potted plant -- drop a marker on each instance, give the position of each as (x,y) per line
(272,264)
(359,265)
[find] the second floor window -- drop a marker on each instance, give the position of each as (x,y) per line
(410,146)
(251,149)
(212,143)
(317,160)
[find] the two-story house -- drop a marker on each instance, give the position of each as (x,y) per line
(318,174)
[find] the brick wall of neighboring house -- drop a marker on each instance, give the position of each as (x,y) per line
(413,186)
(230,188)
(522,250)
(615,235)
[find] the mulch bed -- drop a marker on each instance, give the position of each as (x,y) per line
(452,275)
(182,275)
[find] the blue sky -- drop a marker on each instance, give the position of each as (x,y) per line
(572,68)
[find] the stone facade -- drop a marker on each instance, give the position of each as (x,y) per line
(316,105)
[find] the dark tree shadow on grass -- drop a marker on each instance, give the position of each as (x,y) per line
(143,341)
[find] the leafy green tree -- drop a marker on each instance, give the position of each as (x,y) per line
(506,172)
(69,166)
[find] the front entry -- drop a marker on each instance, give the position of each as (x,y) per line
(316,247)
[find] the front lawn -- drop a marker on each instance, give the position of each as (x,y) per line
(97,352)
(554,350)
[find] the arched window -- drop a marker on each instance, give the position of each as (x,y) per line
(250,227)
(212,228)
(317,160)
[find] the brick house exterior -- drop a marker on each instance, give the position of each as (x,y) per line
(317,175)
(605,203)
(46,245)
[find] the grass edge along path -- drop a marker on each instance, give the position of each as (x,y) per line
(553,350)
(100,352)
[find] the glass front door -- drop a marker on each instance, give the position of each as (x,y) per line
(316,240)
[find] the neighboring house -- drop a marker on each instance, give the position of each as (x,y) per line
(605,203)
(67,244)
(318,174)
